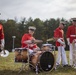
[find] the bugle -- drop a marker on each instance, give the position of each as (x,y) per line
(4,53)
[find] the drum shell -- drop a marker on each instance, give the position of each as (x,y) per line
(21,55)
(46,47)
(34,58)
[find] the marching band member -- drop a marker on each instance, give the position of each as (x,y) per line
(71,39)
(2,42)
(28,40)
(59,37)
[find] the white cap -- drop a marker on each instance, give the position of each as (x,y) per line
(73,19)
(62,22)
(32,27)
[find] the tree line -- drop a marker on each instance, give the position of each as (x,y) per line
(45,30)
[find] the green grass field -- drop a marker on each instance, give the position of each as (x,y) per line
(9,67)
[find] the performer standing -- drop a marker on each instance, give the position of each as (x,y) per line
(2,42)
(71,39)
(28,40)
(60,43)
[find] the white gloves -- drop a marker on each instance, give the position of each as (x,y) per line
(74,42)
(2,43)
(61,42)
(68,41)
(75,45)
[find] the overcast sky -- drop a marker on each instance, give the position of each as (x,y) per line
(43,9)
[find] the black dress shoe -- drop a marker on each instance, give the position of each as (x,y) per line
(66,65)
(69,65)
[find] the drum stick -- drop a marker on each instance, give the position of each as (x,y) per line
(51,39)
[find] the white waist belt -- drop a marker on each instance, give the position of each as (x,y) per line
(61,38)
(73,35)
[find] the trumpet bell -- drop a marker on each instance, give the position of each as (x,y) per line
(4,53)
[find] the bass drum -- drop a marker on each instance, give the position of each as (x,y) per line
(44,61)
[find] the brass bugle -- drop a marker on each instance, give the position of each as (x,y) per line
(4,53)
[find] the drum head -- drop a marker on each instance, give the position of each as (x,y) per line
(47,61)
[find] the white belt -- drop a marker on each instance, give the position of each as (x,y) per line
(61,38)
(73,35)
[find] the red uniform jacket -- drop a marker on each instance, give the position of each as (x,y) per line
(71,33)
(59,33)
(25,38)
(1,33)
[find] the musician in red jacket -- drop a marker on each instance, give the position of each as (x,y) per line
(60,43)
(28,40)
(71,39)
(1,38)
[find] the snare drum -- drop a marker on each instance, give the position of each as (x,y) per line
(44,61)
(46,47)
(21,55)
